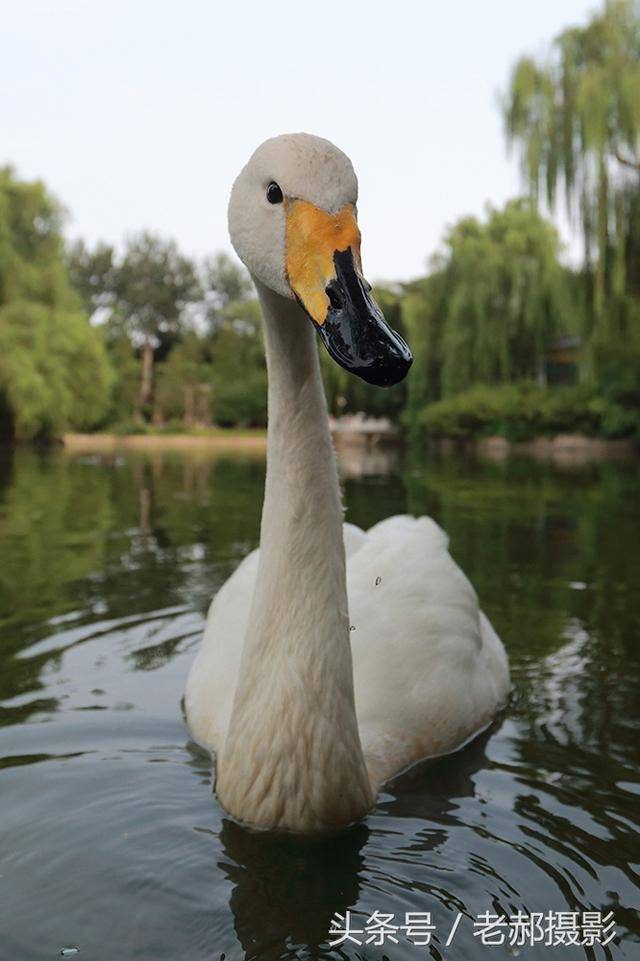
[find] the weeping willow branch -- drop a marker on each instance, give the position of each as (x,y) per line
(571,114)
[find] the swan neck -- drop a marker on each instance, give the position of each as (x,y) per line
(293,757)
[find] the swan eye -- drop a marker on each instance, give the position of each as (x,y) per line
(274,194)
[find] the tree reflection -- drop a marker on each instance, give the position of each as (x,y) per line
(92,538)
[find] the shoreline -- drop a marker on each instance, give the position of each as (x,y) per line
(567,447)
(96,443)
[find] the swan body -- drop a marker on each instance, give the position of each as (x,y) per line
(428,668)
(332,658)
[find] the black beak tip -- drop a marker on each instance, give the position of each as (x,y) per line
(355,332)
(388,370)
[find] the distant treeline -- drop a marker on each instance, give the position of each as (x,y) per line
(143,337)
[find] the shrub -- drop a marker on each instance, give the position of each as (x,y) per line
(126,427)
(242,403)
(525,410)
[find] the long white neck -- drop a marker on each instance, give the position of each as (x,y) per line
(292,758)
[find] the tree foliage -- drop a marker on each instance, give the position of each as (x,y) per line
(495,293)
(486,310)
(217,373)
(54,371)
(224,282)
(145,292)
(575,117)
(153,284)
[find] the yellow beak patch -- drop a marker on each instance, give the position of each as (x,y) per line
(312,237)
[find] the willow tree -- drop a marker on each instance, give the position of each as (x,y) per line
(424,306)
(575,117)
(499,297)
(54,371)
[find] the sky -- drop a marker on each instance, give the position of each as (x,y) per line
(138,115)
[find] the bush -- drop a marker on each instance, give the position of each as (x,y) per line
(54,371)
(173,426)
(126,427)
(525,410)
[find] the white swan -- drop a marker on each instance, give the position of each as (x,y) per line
(311,701)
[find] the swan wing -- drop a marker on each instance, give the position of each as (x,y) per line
(429,670)
(214,672)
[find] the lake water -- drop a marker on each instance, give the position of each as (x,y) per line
(112,840)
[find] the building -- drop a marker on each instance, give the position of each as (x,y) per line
(561,360)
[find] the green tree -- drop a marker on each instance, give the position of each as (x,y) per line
(93,276)
(225,282)
(145,293)
(183,389)
(54,371)
(238,369)
(423,310)
(220,377)
(153,286)
(125,391)
(159,303)
(498,297)
(575,117)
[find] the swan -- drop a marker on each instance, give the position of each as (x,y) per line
(332,658)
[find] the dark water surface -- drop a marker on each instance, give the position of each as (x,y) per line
(111,838)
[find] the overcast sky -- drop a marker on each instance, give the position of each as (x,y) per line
(139,114)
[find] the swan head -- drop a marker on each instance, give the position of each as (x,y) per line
(293,223)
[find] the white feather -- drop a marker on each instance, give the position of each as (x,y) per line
(429,671)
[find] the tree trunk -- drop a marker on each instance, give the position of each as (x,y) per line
(188,416)
(146,384)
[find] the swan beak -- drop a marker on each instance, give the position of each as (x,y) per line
(325,276)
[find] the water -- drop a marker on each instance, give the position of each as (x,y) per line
(112,840)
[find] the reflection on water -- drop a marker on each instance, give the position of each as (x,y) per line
(112,840)
(359,460)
